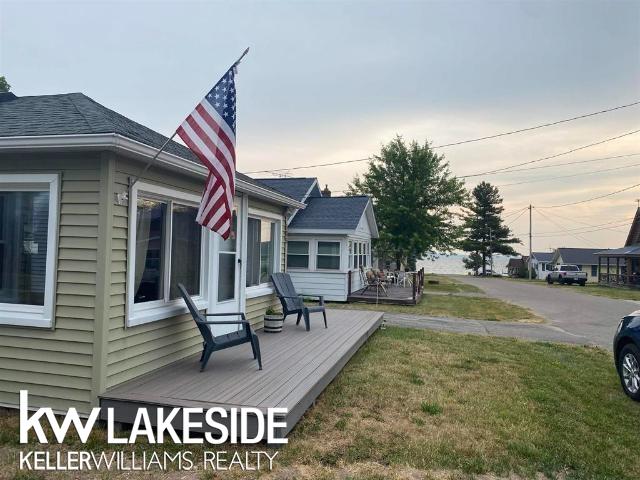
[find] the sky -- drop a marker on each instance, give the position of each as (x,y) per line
(333,81)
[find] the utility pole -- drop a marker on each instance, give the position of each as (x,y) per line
(529,262)
(490,251)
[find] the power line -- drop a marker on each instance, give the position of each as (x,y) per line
(582,230)
(546,179)
(560,164)
(462,142)
(590,225)
(508,167)
(550,124)
(570,233)
(592,198)
(575,162)
(515,219)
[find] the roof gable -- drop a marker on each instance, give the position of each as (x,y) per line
(634,232)
(331,213)
(298,188)
(542,256)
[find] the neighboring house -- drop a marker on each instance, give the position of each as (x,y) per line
(585,258)
(89,264)
(516,266)
(621,266)
(328,239)
(541,264)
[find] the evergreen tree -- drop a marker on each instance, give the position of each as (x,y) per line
(4,85)
(413,193)
(484,230)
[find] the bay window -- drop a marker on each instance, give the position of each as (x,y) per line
(166,247)
(261,250)
(28,240)
(328,256)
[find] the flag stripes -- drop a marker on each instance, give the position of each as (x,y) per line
(209,132)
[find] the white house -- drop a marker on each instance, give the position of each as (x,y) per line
(585,258)
(328,239)
(541,264)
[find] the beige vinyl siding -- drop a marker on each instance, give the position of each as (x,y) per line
(138,350)
(55,366)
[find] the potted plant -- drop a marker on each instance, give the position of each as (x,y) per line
(273,320)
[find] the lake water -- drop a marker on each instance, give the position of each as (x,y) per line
(452,264)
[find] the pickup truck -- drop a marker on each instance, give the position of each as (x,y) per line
(567,274)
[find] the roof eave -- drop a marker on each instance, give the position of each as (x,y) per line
(113,141)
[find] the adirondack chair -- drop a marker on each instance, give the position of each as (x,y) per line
(213,343)
(292,302)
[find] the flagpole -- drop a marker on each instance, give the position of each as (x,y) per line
(150,162)
(148,165)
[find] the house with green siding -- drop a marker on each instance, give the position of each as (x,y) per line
(89,259)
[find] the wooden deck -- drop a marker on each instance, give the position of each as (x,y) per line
(395,296)
(297,367)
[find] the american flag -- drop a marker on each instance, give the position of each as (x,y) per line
(210,132)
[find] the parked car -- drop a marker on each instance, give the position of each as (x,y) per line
(626,352)
(567,274)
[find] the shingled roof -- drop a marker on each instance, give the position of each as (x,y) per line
(77,114)
(542,256)
(579,256)
(296,187)
(331,213)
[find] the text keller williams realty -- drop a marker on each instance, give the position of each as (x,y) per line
(215,433)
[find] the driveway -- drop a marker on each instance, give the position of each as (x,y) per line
(586,319)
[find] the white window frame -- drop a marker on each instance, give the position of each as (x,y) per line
(339,255)
(147,312)
(266,288)
(40,316)
(309,256)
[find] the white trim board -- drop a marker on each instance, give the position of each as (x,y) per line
(113,141)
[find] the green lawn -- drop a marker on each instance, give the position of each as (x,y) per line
(457,306)
(448,285)
(422,404)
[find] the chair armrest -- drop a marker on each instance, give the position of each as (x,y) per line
(227,322)
(225,314)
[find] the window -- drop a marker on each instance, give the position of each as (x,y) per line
(594,270)
(227,266)
(261,255)
(328,256)
(297,254)
(28,224)
(166,247)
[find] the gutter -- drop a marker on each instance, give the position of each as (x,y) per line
(122,144)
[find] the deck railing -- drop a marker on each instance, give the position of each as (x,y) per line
(619,279)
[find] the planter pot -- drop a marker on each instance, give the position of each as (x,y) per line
(273,323)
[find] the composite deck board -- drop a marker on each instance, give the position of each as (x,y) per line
(297,366)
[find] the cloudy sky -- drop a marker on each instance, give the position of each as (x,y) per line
(332,81)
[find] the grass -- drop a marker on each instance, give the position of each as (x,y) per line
(485,406)
(456,306)
(448,285)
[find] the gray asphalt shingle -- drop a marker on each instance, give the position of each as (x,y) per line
(77,114)
(331,213)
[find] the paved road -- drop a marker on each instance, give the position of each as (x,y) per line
(586,319)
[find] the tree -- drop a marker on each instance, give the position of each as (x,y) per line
(413,193)
(4,85)
(473,262)
(484,230)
